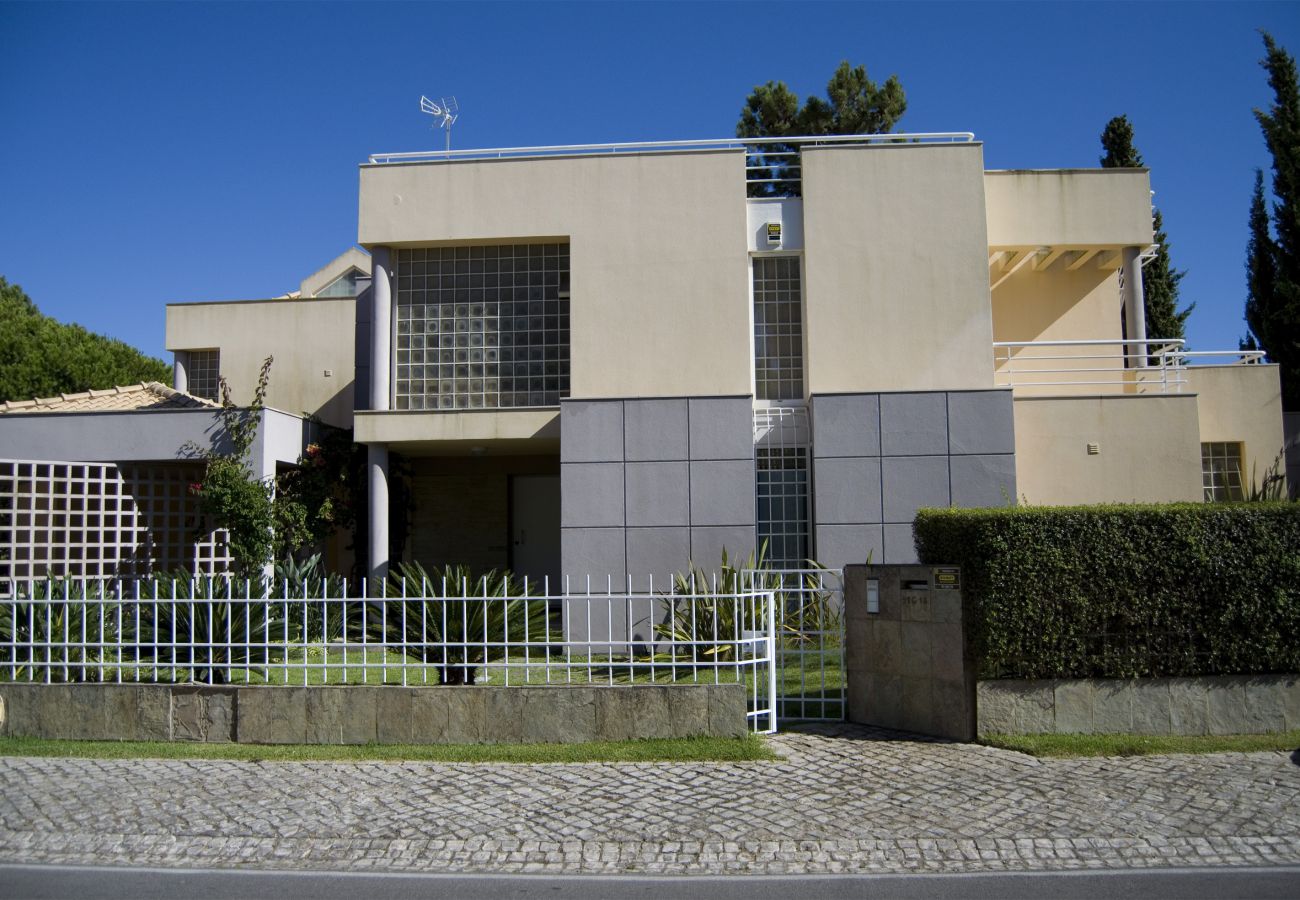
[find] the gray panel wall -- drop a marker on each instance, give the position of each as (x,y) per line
(877,458)
(649,485)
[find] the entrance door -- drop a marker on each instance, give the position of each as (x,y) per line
(535,528)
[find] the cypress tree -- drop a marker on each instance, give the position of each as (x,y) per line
(1273,263)
(1159,278)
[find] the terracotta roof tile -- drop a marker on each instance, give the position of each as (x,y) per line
(130,398)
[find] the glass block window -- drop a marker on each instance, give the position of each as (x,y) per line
(782,493)
(1221,471)
(203,373)
(482,327)
(778,329)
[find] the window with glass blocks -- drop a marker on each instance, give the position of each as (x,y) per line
(782,495)
(482,327)
(778,328)
(203,373)
(1221,471)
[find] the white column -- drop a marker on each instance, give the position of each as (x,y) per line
(1135,315)
(381,327)
(180,378)
(377,464)
(381,339)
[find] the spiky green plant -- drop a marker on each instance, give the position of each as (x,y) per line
(454,619)
(55,627)
(704,608)
(213,628)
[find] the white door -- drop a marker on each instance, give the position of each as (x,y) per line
(535,527)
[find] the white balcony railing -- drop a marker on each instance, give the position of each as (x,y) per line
(1104,366)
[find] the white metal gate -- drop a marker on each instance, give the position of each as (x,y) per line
(809,668)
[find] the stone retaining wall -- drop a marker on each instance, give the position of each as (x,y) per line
(364,714)
(1224,704)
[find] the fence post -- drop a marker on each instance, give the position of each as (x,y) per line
(771,660)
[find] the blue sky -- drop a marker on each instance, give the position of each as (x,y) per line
(155,153)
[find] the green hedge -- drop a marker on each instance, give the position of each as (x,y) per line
(1125,591)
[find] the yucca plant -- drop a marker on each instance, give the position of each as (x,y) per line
(704,608)
(59,611)
(453,619)
(203,627)
(308,588)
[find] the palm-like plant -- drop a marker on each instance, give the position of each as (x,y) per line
(454,620)
(202,627)
(63,628)
(704,609)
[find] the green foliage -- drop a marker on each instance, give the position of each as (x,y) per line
(307,580)
(318,497)
(44,357)
(1273,260)
(230,494)
(855,105)
(704,607)
(57,611)
(429,615)
(1125,591)
(219,632)
(1159,278)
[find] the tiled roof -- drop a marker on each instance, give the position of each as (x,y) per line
(130,398)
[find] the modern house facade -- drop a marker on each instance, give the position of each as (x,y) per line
(607,362)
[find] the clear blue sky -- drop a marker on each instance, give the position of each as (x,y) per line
(172,152)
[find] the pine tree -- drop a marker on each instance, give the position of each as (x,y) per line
(1273,262)
(855,105)
(42,357)
(1159,278)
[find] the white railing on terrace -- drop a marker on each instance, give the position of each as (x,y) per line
(1118,365)
(1123,366)
(777,166)
(221,631)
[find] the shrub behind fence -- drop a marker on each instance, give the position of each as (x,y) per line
(1125,591)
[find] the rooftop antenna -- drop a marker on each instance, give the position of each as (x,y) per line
(446,110)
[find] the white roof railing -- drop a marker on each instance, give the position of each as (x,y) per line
(932,137)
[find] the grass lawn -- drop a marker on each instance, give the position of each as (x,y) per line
(1075,745)
(747,749)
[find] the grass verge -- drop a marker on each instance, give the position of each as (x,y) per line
(1075,745)
(746,749)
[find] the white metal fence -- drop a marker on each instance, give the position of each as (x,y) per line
(811,680)
(222,631)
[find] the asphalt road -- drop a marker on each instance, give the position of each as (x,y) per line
(40,882)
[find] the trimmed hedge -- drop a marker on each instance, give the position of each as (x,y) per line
(1125,591)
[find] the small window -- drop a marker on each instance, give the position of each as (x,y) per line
(778,328)
(1221,471)
(346,285)
(203,373)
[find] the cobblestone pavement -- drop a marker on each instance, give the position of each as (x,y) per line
(845,799)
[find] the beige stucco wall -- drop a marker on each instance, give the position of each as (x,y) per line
(1059,305)
(307,337)
(1069,207)
(1150,449)
(897,294)
(658,277)
(1241,403)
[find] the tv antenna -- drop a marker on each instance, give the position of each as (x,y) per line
(446,110)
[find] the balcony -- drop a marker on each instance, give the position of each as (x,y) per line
(1085,367)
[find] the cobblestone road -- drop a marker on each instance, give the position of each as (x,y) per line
(845,799)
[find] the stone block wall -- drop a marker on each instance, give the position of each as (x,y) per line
(358,714)
(877,458)
(1222,704)
(909,666)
